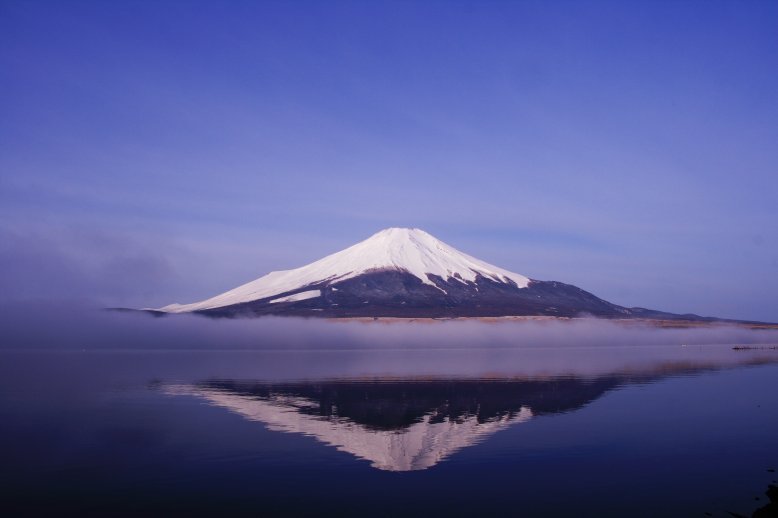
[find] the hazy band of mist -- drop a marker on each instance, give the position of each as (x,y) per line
(55,326)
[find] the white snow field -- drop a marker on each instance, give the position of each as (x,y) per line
(403,249)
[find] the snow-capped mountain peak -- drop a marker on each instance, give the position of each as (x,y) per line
(409,250)
(421,254)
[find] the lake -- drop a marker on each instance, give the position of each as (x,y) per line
(583,420)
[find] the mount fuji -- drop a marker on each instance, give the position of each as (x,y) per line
(403,272)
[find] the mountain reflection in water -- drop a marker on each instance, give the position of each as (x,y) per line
(412,424)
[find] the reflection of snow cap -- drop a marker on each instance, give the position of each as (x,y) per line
(419,446)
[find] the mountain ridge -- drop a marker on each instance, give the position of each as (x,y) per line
(408,273)
(403,249)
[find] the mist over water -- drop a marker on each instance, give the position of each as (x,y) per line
(277,348)
(55,326)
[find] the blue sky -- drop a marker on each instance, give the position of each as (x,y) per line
(153,152)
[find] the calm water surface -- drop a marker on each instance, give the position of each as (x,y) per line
(557,431)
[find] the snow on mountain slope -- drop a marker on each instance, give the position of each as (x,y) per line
(303,295)
(410,250)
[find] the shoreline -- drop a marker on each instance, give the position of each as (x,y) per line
(627,322)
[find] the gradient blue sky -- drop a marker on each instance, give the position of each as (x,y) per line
(153,152)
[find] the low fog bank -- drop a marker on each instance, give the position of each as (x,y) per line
(73,343)
(82,326)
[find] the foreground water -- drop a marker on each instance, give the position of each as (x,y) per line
(617,430)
